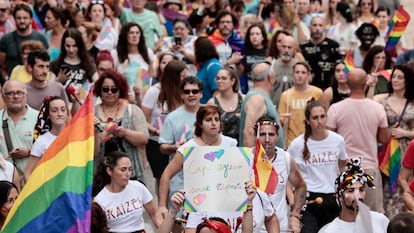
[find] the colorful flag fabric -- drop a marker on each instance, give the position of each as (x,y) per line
(349,64)
(390,164)
(397,27)
(386,74)
(57,197)
(265,176)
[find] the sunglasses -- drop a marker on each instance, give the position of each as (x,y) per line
(97,2)
(193,91)
(4,9)
(107,89)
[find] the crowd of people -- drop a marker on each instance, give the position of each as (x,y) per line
(172,74)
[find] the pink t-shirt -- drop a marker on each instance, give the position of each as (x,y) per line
(358,120)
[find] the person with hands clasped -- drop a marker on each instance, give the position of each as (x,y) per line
(18,121)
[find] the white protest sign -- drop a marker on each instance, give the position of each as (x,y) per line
(214,178)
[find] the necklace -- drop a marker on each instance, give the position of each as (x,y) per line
(210,144)
(110,119)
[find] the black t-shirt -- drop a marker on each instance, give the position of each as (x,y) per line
(322,58)
(254,56)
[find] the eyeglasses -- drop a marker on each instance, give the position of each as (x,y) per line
(224,78)
(14,93)
(4,9)
(193,91)
(107,89)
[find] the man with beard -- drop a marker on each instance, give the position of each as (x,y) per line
(283,68)
(229,46)
(366,34)
(18,120)
(321,53)
(266,129)
(355,216)
(40,87)
(10,43)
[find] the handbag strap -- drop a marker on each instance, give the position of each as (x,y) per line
(403,111)
(6,133)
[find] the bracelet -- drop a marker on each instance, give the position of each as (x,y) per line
(172,214)
(249,206)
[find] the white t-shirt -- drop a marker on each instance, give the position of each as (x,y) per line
(278,199)
(261,208)
(42,144)
(225,141)
(321,169)
(124,210)
(150,101)
(6,170)
(379,225)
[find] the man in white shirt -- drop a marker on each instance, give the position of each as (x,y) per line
(355,216)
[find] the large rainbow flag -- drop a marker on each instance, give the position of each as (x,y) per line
(57,197)
(265,176)
(391,163)
(397,27)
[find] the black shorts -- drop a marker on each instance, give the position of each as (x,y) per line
(157,160)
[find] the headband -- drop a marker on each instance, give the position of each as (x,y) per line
(353,173)
(266,122)
(218,226)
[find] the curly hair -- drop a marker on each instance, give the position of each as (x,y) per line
(272,50)
(408,79)
(368,62)
(119,80)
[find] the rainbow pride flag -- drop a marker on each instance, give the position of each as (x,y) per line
(391,164)
(265,176)
(57,197)
(349,64)
(397,27)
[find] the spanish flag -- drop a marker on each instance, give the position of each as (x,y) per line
(265,176)
(58,195)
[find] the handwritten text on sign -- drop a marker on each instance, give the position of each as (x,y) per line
(214,178)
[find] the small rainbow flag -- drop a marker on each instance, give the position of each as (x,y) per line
(349,64)
(391,164)
(397,27)
(265,176)
(57,197)
(36,24)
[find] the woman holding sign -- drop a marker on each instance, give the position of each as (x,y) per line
(208,126)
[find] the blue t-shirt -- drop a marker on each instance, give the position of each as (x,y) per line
(207,75)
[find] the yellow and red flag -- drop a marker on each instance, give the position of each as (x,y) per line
(265,176)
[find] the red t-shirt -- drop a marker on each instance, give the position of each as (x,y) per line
(408,160)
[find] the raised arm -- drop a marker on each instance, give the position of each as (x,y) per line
(254,108)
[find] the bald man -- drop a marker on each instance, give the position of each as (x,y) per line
(257,103)
(363,123)
(283,68)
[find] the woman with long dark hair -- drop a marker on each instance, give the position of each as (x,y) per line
(161,99)
(8,195)
(134,59)
(74,66)
(319,174)
(375,61)
(113,190)
(339,89)
(256,47)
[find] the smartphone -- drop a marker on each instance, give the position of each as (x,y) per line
(65,67)
(177,40)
